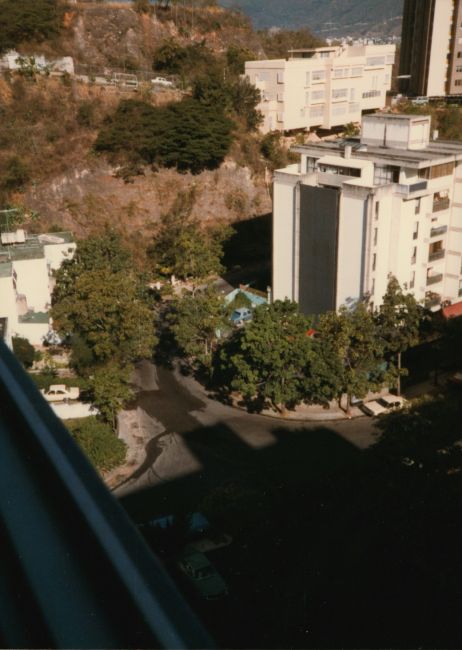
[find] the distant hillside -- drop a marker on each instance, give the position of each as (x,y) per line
(326,17)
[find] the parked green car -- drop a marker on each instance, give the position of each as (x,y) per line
(203,575)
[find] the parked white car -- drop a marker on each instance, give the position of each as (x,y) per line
(374,408)
(162,81)
(60,393)
(393,401)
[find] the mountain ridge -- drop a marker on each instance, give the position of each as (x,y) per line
(329,18)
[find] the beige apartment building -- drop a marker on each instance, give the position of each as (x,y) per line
(354,211)
(431,48)
(323,87)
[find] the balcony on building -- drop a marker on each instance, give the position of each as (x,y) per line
(411,189)
(436,255)
(434,278)
(440,201)
(432,299)
(438,230)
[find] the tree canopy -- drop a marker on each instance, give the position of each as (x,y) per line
(269,361)
(100,298)
(398,320)
(185,249)
(26,20)
(186,135)
(352,350)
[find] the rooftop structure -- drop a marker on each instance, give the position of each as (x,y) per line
(27,264)
(354,211)
(322,87)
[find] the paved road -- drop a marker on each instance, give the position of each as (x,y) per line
(195,436)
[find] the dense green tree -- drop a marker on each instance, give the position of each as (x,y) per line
(111,390)
(271,360)
(25,20)
(236,56)
(184,249)
(186,135)
(353,351)
(24,351)
(187,61)
(196,321)
(100,298)
(398,321)
(98,441)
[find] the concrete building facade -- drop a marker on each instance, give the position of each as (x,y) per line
(353,212)
(27,264)
(431,48)
(323,87)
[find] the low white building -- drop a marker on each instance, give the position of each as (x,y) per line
(354,211)
(12,61)
(323,87)
(27,263)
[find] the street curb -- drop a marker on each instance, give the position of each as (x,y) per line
(198,389)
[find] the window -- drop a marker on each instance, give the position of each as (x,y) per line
(386,175)
(436,251)
(412,282)
(280,77)
(318,96)
(376,234)
(338,72)
(357,71)
(307,99)
(459,68)
(371,93)
(415,232)
(437,171)
(339,109)
(374,261)
(317,111)
(307,79)
(343,171)
(352,94)
(458,82)
(319,75)
(325,55)
(373,289)
(354,107)
(377,210)
(375,60)
(414,255)
(280,97)
(459,55)
(417,206)
(279,118)
(339,93)
(311,164)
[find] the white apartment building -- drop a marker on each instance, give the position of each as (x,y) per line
(27,263)
(323,87)
(354,211)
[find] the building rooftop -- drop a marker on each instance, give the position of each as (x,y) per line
(437,151)
(33,247)
(35,317)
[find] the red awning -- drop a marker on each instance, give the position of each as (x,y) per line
(453,311)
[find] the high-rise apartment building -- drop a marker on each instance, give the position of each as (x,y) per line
(355,211)
(323,87)
(431,48)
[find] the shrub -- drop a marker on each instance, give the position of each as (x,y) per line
(24,351)
(104,450)
(15,174)
(186,135)
(24,20)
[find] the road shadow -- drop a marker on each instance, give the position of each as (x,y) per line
(332,547)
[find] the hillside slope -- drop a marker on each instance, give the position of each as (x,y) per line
(327,18)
